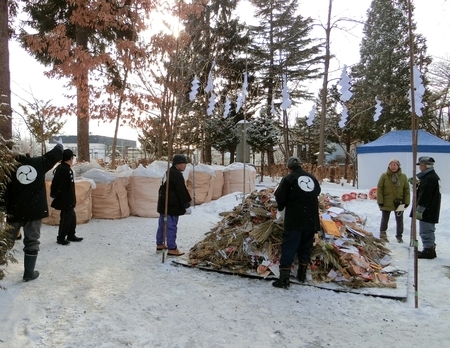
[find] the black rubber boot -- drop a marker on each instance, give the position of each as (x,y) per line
(62,241)
(283,281)
(74,238)
(427,253)
(301,274)
(29,264)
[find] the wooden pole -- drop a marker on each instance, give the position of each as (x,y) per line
(414,131)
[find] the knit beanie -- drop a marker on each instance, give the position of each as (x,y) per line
(395,161)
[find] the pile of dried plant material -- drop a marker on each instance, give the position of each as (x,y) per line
(248,241)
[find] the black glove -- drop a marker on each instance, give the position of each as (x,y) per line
(380,205)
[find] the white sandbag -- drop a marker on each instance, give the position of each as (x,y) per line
(143,196)
(218,182)
(234,178)
(110,201)
(83,209)
(201,183)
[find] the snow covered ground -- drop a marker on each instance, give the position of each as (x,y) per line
(112,290)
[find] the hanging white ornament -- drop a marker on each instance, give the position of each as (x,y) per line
(210,85)
(311,116)
(211,103)
(285,95)
(272,108)
(344,115)
(419,91)
(378,109)
(227,108)
(241,98)
(344,84)
(194,88)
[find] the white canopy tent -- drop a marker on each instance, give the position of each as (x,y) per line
(373,158)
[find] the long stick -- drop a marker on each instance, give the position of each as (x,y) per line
(414,148)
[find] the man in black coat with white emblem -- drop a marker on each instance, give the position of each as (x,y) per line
(298,194)
(26,201)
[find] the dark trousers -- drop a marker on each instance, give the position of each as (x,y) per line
(67,223)
(31,234)
(385,220)
(296,241)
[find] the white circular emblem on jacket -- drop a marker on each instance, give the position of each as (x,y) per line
(26,174)
(306,183)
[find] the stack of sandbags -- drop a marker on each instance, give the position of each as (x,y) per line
(143,191)
(109,198)
(200,183)
(218,182)
(234,177)
(83,209)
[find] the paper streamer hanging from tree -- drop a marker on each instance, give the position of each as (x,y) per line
(419,91)
(285,95)
(227,107)
(343,117)
(378,109)
(211,103)
(241,98)
(272,108)
(311,116)
(210,85)
(194,88)
(344,84)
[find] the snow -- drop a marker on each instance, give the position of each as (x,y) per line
(112,290)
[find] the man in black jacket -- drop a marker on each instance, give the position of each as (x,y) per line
(26,202)
(62,191)
(428,206)
(297,193)
(178,204)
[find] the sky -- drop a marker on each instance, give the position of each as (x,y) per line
(112,290)
(431,17)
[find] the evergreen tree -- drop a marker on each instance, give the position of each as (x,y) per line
(216,35)
(7,165)
(263,134)
(281,45)
(221,134)
(384,70)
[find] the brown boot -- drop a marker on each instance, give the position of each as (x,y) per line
(383,236)
(160,247)
(174,252)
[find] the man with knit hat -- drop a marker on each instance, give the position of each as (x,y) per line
(392,192)
(428,206)
(178,204)
(62,190)
(298,194)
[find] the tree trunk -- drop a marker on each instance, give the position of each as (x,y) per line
(5,78)
(82,85)
(323,110)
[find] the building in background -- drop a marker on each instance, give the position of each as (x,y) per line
(100,147)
